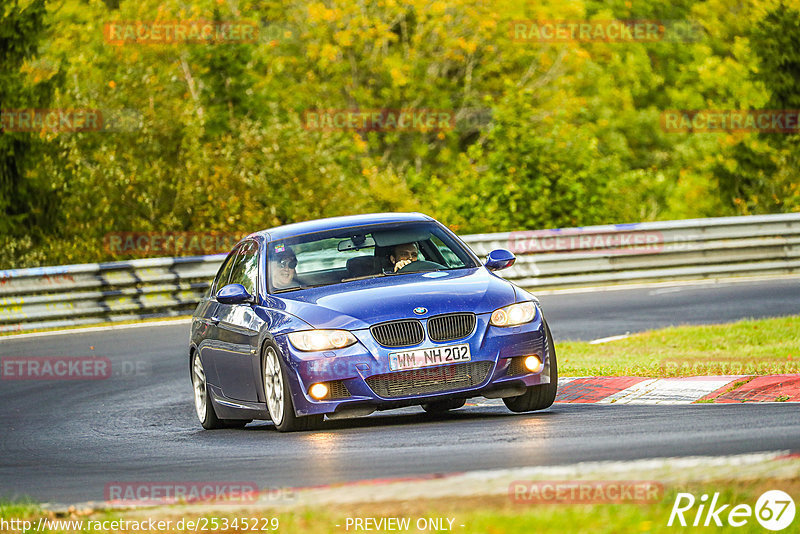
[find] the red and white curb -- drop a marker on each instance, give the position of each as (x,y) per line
(684,390)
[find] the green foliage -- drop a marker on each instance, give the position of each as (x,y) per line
(776,42)
(760,174)
(27,201)
(547,134)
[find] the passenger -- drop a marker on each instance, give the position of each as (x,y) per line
(283,268)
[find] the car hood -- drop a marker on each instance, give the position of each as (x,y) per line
(361,303)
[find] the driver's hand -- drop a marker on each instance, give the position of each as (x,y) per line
(400,264)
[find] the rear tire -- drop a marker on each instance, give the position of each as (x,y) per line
(278,395)
(541,396)
(203,406)
(444,405)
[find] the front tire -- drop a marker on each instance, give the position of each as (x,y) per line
(278,395)
(541,396)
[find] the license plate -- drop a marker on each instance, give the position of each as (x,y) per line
(414,359)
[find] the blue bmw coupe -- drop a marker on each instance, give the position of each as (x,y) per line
(344,316)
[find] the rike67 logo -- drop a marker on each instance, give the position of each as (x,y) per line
(774,510)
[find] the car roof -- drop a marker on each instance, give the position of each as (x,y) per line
(334,223)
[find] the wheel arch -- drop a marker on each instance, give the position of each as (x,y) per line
(192,352)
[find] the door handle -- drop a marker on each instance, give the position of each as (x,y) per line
(215,320)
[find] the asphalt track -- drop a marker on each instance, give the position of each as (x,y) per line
(63,442)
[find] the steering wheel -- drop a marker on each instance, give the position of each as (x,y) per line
(420,265)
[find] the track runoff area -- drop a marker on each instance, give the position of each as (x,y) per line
(726,493)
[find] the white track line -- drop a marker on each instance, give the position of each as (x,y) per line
(608,339)
(665,284)
(170,322)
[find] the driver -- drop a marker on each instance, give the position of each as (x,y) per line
(403,254)
(283,270)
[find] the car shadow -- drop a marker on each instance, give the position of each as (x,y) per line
(389,420)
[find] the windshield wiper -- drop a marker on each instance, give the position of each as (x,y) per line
(365,277)
(414,272)
(288,289)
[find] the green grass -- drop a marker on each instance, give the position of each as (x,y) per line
(480,515)
(757,347)
(18,509)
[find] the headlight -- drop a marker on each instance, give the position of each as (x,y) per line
(516,314)
(318,391)
(315,340)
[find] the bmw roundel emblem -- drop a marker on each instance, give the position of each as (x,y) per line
(420,310)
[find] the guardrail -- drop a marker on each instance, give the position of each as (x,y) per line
(68,295)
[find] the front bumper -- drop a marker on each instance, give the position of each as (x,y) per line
(492,350)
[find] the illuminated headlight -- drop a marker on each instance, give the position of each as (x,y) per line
(532,364)
(315,340)
(516,314)
(318,391)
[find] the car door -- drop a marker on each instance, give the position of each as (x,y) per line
(207,320)
(238,331)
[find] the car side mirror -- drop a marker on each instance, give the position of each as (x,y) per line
(234,294)
(499,259)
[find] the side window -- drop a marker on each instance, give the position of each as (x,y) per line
(245,268)
(449,257)
(224,273)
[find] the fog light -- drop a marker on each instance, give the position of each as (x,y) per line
(533,364)
(318,391)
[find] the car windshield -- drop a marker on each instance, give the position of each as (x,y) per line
(349,254)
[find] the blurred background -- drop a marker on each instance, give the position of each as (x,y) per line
(213,136)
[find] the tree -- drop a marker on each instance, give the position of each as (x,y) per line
(763,176)
(28,205)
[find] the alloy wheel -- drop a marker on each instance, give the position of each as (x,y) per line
(273,385)
(200,389)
